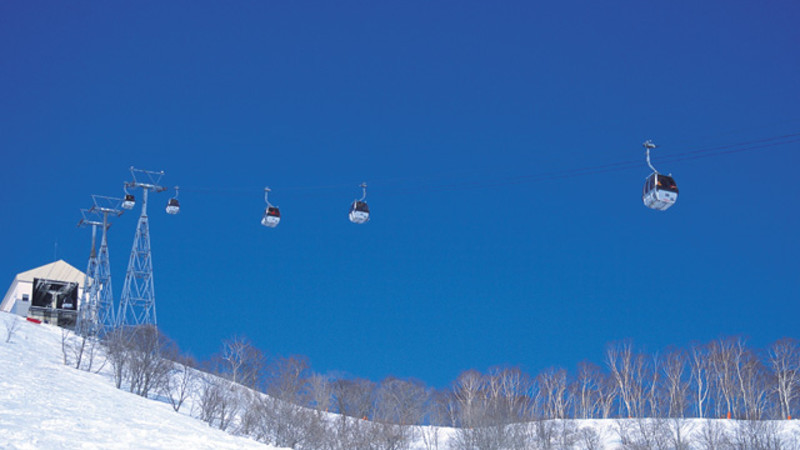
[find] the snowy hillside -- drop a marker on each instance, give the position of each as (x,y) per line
(45,404)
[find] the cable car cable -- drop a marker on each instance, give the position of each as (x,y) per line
(592,170)
(707,152)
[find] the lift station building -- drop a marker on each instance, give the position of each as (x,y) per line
(49,294)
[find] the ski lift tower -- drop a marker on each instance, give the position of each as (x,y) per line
(96,315)
(137,305)
(87,312)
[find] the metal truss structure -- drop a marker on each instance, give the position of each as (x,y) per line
(138,302)
(96,310)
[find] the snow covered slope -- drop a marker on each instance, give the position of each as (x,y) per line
(45,404)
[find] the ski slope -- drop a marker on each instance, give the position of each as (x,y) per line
(45,404)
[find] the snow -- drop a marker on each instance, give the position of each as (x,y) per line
(45,404)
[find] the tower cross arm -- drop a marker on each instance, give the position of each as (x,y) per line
(146,179)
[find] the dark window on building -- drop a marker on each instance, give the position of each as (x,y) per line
(53,294)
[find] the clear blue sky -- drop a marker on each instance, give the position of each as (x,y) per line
(441,107)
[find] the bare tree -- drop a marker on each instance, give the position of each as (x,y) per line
(552,384)
(286,412)
(722,362)
(241,362)
(288,379)
(400,402)
(354,397)
(90,346)
(649,374)
(712,436)
(353,433)
(585,390)
(699,368)
(430,436)
(469,392)
(621,362)
(784,358)
(67,347)
(320,392)
(78,351)
(676,380)
(137,357)
(752,379)
(219,401)
(447,402)
(607,394)
(252,421)
(147,368)
(679,432)
(552,434)
(756,435)
(180,383)
(470,395)
(589,439)
(643,434)
(440,412)
(117,349)
(509,392)
(490,407)
(12,325)
(291,425)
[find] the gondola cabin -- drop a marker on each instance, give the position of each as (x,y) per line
(129,201)
(659,192)
(272,216)
(173,207)
(359,212)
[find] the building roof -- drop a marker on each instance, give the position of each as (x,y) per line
(59,270)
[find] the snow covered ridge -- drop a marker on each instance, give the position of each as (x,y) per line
(47,404)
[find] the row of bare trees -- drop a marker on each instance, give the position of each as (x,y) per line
(721,378)
(282,401)
(142,360)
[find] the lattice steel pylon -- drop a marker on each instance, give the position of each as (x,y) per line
(137,305)
(87,309)
(96,314)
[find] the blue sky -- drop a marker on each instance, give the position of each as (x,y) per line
(453,113)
